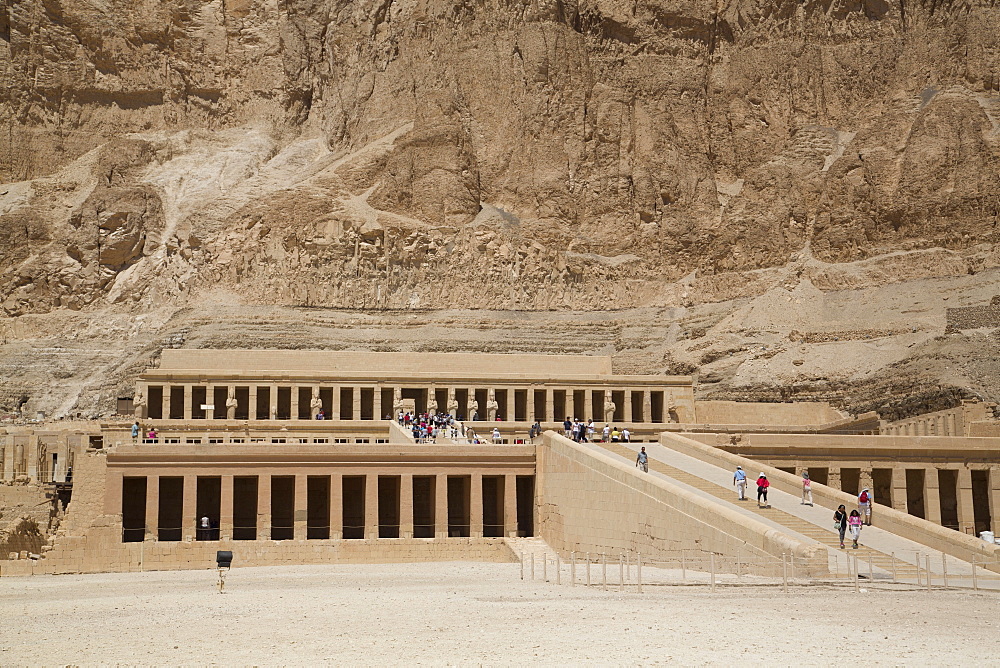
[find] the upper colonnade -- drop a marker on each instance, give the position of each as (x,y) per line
(300,385)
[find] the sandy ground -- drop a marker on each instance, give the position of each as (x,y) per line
(470,613)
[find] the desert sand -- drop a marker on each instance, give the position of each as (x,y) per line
(473,613)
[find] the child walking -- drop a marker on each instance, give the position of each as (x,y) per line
(855,521)
(807,492)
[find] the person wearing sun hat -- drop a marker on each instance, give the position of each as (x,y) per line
(762,485)
(740,481)
(865,505)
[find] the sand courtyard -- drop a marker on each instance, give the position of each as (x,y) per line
(473,613)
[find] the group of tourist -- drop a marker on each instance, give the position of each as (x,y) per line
(137,432)
(586,432)
(427,427)
(842,521)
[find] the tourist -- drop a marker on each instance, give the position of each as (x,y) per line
(568,427)
(865,505)
(206,528)
(840,522)
(642,460)
(626,435)
(151,434)
(135,432)
(590,429)
(855,524)
(615,435)
(321,415)
(740,482)
(496,435)
(762,485)
(807,492)
(606,434)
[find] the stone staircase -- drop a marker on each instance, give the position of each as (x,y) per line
(534,545)
(828,537)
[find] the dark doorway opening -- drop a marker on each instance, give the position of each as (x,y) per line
(245,508)
(208,506)
(305,399)
(981,501)
(850,481)
(540,412)
(199,397)
(525,505)
(387,399)
(263,403)
(559,405)
(423,506)
(176,402)
(169,518)
(367,403)
(637,407)
(656,406)
(282,507)
(318,507)
(388,506)
(493,491)
(347,403)
(219,396)
(819,475)
(284,411)
(459,509)
(915,493)
(882,486)
(133,509)
(948,493)
(154,402)
(354,506)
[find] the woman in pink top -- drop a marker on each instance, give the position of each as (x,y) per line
(854,523)
(807,492)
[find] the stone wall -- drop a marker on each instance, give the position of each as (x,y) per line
(974,317)
(19,536)
(775,414)
(591,502)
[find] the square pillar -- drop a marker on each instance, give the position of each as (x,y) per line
(264,506)
(899,488)
(295,402)
(300,512)
(335,403)
(166,401)
(406,506)
(371,506)
(995,498)
(152,507)
(932,495)
(356,403)
(476,506)
(226,508)
(647,412)
(628,405)
(570,406)
(210,413)
(441,506)
(272,410)
(529,404)
(336,506)
(188,399)
(510,505)
(31,454)
(833,479)
(966,515)
(377,413)
(189,508)
(252,411)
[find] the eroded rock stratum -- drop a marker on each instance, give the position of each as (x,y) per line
(737,169)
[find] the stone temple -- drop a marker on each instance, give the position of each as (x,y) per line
(297,457)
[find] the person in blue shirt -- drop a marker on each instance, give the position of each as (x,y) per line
(642,460)
(740,481)
(135,431)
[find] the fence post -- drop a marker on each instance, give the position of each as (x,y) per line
(739,563)
(638,572)
(944,568)
(532,566)
(791,564)
(871,568)
(604,571)
(588,569)
(545,568)
(975,581)
(558,570)
(628,567)
(848,565)
(711,559)
(856,586)
(893,557)
(928,572)
(917,554)
(784,572)
(684,572)
(522,564)
(572,569)
(621,572)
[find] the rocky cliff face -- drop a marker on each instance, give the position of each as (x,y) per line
(543,155)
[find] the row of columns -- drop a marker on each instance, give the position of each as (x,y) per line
(943,424)
(533,410)
(300,509)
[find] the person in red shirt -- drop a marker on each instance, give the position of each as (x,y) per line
(762,485)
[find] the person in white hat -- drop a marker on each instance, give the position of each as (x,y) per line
(740,481)
(865,505)
(807,492)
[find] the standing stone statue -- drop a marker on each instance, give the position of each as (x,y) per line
(647,406)
(41,466)
(138,402)
(19,466)
(473,408)
(452,404)
(315,404)
(492,406)
(397,401)
(609,408)
(669,407)
(231,403)
(432,402)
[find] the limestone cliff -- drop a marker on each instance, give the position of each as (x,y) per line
(413,154)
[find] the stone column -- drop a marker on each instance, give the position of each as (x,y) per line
(152,507)
(966,513)
(337,506)
(441,506)
(510,505)
(166,401)
(932,495)
(899,496)
(377,412)
(356,402)
(272,396)
(252,410)
(31,454)
(226,508)
(406,506)
(550,407)
(189,512)
(571,406)
(833,478)
(264,506)
(994,484)
(295,402)
(335,402)
(301,509)
(529,404)
(210,413)
(628,406)
(371,506)
(865,480)
(476,506)
(188,401)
